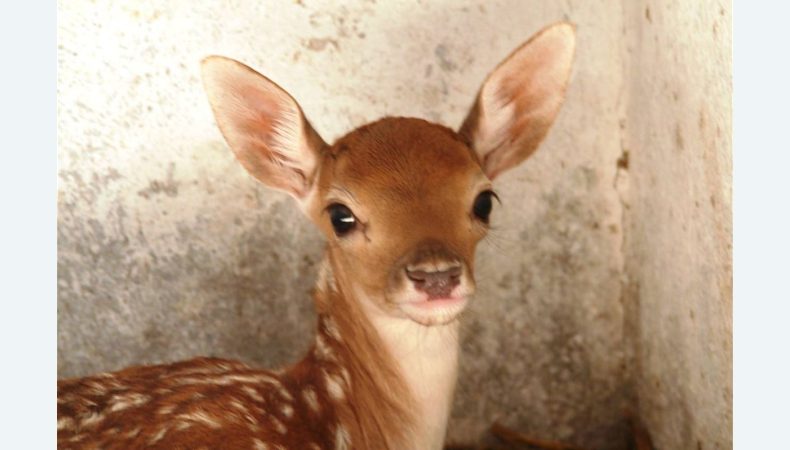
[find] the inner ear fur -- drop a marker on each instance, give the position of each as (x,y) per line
(263,125)
(520,99)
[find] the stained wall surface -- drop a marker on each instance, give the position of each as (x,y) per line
(679,219)
(167,249)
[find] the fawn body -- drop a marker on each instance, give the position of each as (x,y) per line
(403,203)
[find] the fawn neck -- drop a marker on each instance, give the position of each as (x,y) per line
(427,359)
(404,371)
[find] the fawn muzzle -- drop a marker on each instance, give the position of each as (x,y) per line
(437,284)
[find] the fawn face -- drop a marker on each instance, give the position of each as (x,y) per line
(402,202)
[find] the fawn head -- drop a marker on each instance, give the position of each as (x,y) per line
(402,202)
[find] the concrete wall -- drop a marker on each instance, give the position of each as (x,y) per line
(679,219)
(167,249)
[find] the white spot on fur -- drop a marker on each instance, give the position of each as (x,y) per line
(104,375)
(209,369)
(323,351)
(91,420)
(167,409)
(111,431)
(257,444)
(121,402)
(65,423)
(201,417)
(253,393)
(108,384)
(342,439)
(158,436)
(285,394)
(333,387)
(332,330)
(230,379)
(311,398)
(326,279)
(279,426)
(96,388)
(133,433)
(244,412)
(238,405)
(346,376)
(287,411)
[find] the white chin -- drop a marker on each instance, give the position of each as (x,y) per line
(434,312)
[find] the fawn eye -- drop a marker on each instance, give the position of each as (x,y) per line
(342,218)
(483,205)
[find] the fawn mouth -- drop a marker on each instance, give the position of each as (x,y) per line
(434,311)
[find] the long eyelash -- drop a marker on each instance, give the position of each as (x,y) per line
(494,194)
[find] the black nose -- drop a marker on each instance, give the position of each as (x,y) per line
(437,284)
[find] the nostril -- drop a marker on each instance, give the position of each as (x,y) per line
(417,275)
(421,272)
(435,283)
(424,275)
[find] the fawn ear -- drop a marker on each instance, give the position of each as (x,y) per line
(263,125)
(520,99)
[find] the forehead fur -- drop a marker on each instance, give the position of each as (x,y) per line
(401,154)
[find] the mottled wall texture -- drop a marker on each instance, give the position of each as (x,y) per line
(678,219)
(605,285)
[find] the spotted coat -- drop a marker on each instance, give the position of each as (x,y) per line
(209,403)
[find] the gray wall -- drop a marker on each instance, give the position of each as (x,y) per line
(167,249)
(679,219)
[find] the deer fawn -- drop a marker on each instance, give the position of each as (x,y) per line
(403,203)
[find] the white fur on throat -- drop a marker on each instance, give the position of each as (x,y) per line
(427,357)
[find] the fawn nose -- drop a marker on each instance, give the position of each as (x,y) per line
(435,283)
